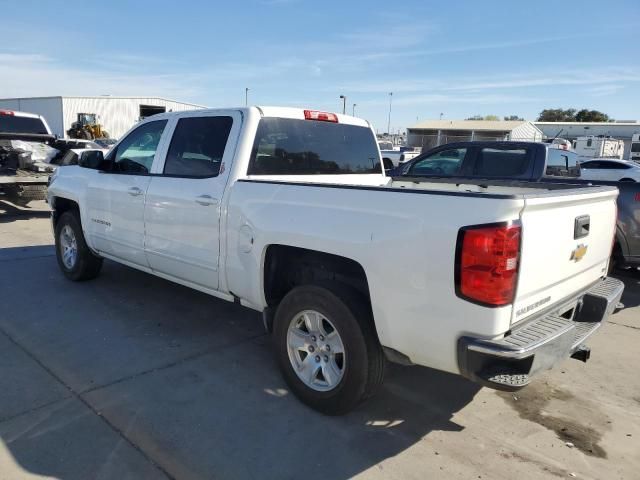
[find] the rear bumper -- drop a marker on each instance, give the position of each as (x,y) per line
(509,363)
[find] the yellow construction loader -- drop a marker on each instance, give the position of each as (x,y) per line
(87,127)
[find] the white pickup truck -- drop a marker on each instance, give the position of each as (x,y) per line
(288,212)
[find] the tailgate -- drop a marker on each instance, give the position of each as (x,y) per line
(566,244)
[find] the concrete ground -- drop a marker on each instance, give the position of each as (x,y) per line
(131,376)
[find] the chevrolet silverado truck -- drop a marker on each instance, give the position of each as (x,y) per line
(288,212)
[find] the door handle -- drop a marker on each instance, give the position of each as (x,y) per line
(206,200)
(134,191)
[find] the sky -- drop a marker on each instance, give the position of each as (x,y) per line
(455,58)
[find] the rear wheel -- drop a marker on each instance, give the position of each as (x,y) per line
(75,259)
(327,347)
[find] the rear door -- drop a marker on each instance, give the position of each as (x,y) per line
(565,247)
(115,198)
(183,203)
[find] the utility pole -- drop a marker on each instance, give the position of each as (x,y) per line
(441,116)
(353,110)
(389,120)
(344,104)
(246,96)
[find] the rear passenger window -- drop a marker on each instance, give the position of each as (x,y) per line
(493,162)
(197,147)
(285,146)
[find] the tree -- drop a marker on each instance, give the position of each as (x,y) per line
(513,118)
(557,115)
(585,115)
(572,115)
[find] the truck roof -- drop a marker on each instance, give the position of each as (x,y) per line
(15,113)
(270,111)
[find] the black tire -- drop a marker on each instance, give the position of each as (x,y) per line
(364,359)
(87,264)
(616,261)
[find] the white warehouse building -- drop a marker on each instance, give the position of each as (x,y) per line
(432,133)
(115,114)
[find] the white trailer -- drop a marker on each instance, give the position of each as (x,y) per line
(599,147)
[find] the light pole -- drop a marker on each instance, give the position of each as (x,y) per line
(389,120)
(344,104)
(353,110)
(246,96)
(441,116)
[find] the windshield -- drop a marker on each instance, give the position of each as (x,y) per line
(285,146)
(15,124)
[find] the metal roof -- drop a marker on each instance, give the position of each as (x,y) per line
(476,125)
(593,124)
(105,97)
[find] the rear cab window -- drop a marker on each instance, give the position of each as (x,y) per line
(502,162)
(19,124)
(285,146)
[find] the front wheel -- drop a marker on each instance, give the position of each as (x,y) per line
(327,347)
(75,259)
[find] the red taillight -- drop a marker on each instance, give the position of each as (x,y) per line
(320,116)
(487,263)
(6,112)
(637,197)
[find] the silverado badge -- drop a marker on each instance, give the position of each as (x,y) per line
(579,252)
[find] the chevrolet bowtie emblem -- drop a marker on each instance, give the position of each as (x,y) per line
(579,252)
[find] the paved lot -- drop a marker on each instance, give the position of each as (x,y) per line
(130,376)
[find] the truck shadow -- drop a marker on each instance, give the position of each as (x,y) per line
(141,369)
(10,212)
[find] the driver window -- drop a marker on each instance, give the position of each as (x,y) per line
(445,162)
(136,152)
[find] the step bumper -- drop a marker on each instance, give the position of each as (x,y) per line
(509,363)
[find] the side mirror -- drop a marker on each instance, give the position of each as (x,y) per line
(93,159)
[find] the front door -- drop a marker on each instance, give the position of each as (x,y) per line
(116,195)
(183,203)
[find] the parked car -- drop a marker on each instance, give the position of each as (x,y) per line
(492,159)
(288,212)
(395,158)
(613,170)
(106,142)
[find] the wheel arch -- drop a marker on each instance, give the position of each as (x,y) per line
(60,205)
(286,267)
